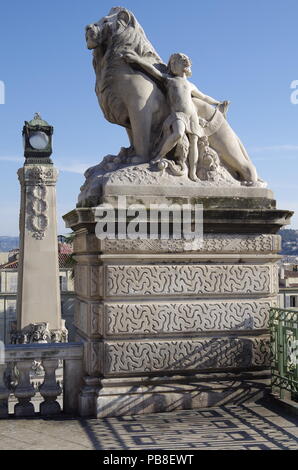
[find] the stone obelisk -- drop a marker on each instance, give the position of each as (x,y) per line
(38,302)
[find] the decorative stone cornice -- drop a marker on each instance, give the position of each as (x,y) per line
(38,174)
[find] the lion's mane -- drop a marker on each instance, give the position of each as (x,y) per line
(131,38)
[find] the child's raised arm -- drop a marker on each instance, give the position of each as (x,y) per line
(198,94)
(132,57)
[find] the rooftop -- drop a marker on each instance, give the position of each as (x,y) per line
(291,274)
(65,251)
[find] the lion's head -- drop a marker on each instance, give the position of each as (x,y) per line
(119,30)
(118,82)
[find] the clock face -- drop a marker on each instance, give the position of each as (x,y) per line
(39,140)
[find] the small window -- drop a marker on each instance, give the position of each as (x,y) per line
(12,280)
(63,283)
(292,301)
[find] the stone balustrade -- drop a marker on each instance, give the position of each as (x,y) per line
(20,358)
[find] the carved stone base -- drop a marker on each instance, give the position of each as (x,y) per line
(40,333)
(24,410)
(50,408)
(127,179)
(179,393)
(171,324)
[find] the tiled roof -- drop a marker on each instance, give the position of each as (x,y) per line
(10,265)
(291,274)
(65,262)
(65,248)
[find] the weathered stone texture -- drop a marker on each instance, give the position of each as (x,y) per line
(178,317)
(220,243)
(189,354)
(151,310)
(189,279)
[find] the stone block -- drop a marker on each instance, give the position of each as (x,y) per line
(188,316)
(192,354)
(190,279)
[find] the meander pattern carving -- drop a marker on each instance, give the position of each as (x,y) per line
(156,318)
(199,354)
(188,279)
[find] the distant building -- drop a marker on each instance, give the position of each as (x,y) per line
(9,285)
(288,286)
(3,258)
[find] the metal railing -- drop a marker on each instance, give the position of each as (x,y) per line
(18,360)
(284,350)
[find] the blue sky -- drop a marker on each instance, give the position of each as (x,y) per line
(245,52)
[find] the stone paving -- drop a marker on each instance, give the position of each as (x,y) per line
(246,427)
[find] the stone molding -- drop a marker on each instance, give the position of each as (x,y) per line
(225,243)
(217,220)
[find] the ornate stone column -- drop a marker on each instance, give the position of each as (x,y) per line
(38,302)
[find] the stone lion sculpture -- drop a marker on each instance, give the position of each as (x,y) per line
(126,96)
(132,98)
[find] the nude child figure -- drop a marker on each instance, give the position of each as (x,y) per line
(183,118)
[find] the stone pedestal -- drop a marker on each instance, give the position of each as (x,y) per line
(38,303)
(169,325)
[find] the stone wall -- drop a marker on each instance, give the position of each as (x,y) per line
(152,310)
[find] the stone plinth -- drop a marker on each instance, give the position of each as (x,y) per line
(167,324)
(38,303)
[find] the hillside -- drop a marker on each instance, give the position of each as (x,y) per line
(289,242)
(8,243)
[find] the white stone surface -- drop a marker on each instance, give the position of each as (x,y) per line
(190,280)
(148,310)
(151,308)
(155,318)
(38,275)
(220,243)
(188,354)
(144,181)
(178,118)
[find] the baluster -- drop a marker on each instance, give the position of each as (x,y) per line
(4,393)
(50,389)
(24,390)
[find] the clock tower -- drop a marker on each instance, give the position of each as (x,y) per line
(37,137)
(38,301)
